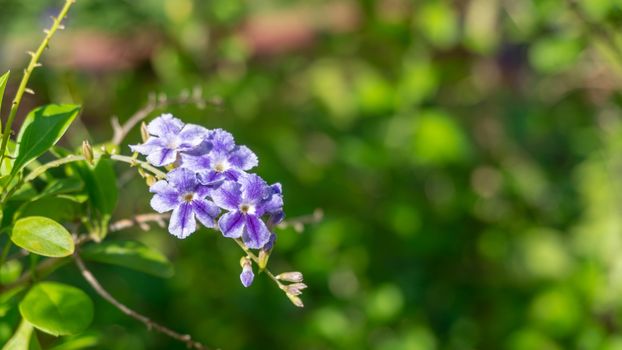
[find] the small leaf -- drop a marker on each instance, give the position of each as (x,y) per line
(100,184)
(82,341)
(21,339)
(42,128)
(43,236)
(130,254)
(53,207)
(57,309)
(4,78)
(61,186)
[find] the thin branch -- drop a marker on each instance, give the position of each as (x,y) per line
(140,220)
(298,223)
(88,276)
(34,63)
(155,103)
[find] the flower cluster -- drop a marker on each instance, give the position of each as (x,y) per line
(209,181)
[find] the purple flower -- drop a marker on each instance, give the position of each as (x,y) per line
(185,196)
(169,137)
(246,201)
(219,158)
(247,275)
(274,204)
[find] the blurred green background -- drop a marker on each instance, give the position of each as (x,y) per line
(467,156)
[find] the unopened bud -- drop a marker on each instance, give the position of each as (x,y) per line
(247,275)
(150,180)
(87,152)
(295,300)
(244,261)
(295,288)
(263,259)
(293,276)
(144,133)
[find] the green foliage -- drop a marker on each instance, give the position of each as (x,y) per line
(57,309)
(23,339)
(101,188)
(130,254)
(42,236)
(4,78)
(466,154)
(42,128)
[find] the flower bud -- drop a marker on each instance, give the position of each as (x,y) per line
(295,300)
(293,276)
(87,152)
(247,275)
(263,259)
(150,180)
(144,133)
(295,288)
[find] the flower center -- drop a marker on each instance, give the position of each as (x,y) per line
(188,197)
(247,208)
(221,166)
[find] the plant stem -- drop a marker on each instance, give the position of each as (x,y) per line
(34,63)
(88,276)
(77,158)
(256,259)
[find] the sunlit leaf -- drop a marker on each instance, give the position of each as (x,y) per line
(21,339)
(43,236)
(57,309)
(4,78)
(42,128)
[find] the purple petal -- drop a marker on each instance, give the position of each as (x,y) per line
(227,196)
(192,135)
(152,145)
(274,202)
(270,244)
(253,188)
(206,212)
(195,163)
(231,224)
(210,178)
(243,158)
(165,126)
(183,180)
(276,218)
(222,140)
(182,222)
(256,234)
(247,276)
(163,156)
(165,198)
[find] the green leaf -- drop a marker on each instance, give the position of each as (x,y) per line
(21,339)
(42,128)
(81,341)
(57,309)
(101,187)
(53,207)
(130,254)
(62,186)
(43,236)
(3,80)
(7,164)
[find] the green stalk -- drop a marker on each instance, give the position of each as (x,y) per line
(34,63)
